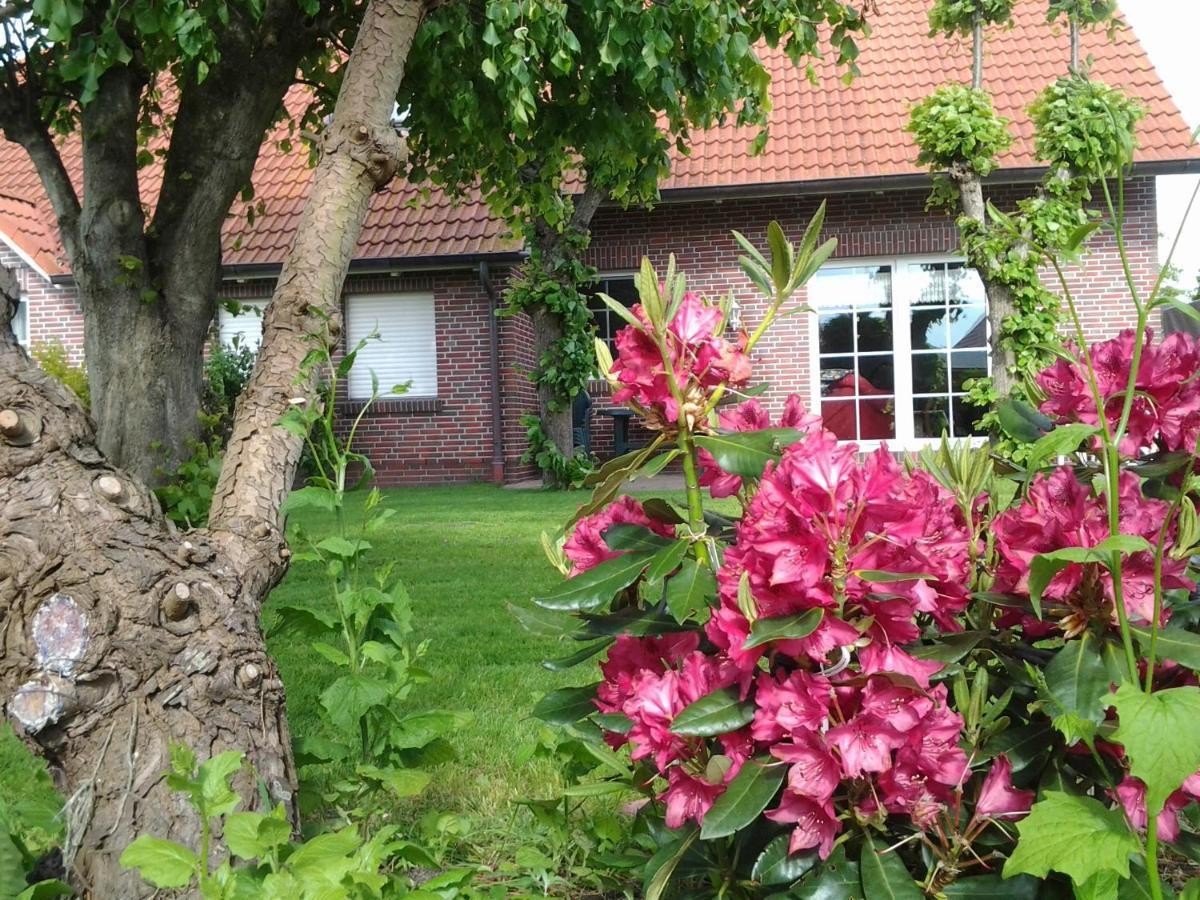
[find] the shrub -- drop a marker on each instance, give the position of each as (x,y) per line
(884,677)
(55,361)
(956,125)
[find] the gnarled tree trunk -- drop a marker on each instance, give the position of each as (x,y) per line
(121,635)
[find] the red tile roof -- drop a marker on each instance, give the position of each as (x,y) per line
(830,132)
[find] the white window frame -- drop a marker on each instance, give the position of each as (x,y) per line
(902,282)
(23,314)
(362,364)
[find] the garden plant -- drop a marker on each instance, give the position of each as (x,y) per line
(939,675)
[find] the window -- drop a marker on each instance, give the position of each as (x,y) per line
(20,325)
(406,347)
(245,326)
(608,323)
(896,342)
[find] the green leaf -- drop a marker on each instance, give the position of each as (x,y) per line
(948,648)
(401,782)
(216,797)
(663,864)
(715,713)
(876,576)
(993,887)
(835,879)
(12,867)
(597,586)
(1074,835)
(667,560)
(325,858)
(541,622)
(341,548)
(783,628)
(566,662)
(1022,422)
(333,654)
(1185,308)
(164,864)
(1078,679)
(1022,744)
(1079,235)
(46,890)
(350,697)
(775,865)
(745,453)
(253,835)
(1173,643)
(310,498)
(884,876)
(1161,736)
(754,786)
(1062,440)
(689,590)
(566,706)
(627,536)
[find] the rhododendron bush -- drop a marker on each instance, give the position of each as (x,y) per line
(840,673)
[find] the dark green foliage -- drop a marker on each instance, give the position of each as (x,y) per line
(1083,12)
(956,125)
(568,471)
(52,356)
(226,372)
(958,16)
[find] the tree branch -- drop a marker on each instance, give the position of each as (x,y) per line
(360,154)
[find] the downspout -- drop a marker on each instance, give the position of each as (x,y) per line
(485,279)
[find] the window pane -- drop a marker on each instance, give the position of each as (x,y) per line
(968,326)
(928,328)
(607,322)
(930,281)
(837,372)
(931,416)
(964,286)
(622,289)
(405,349)
(966,364)
(20,324)
(966,418)
(867,418)
(929,373)
(843,287)
(877,374)
(874,331)
(836,333)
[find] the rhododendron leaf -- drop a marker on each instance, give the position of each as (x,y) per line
(835,879)
(781,257)
(1022,744)
(610,481)
(1161,736)
(628,536)
(689,590)
(783,628)
(563,663)
(1173,643)
(717,713)
(621,310)
(1077,679)
(662,511)
(949,648)
(754,786)
(1079,235)
(1062,440)
(592,589)
(596,789)
(884,876)
(541,622)
(1022,422)
(656,465)
(667,560)
(1161,464)
(993,887)
(1191,890)
(1185,308)
(566,706)
(876,576)
(664,863)
(746,453)
(775,865)
(631,620)
(617,723)
(1077,836)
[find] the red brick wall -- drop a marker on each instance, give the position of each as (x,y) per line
(450,439)
(53,312)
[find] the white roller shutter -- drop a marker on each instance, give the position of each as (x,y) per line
(406,349)
(246,325)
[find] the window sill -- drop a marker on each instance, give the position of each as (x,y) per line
(405,406)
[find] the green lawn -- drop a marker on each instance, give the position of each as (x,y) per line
(464,553)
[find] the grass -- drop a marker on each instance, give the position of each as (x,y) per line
(464,553)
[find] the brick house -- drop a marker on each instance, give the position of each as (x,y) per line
(899,322)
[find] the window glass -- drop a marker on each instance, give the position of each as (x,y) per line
(244,327)
(608,323)
(20,324)
(405,349)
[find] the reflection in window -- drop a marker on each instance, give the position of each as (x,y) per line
(948,329)
(608,323)
(857,361)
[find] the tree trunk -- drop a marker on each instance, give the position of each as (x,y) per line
(977,52)
(999,297)
(120,635)
(553,246)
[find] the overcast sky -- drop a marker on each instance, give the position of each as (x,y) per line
(1168,30)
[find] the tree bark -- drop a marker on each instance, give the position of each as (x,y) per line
(999,297)
(553,247)
(120,635)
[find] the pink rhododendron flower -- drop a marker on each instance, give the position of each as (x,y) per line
(998,799)
(630,656)
(816,824)
(698,357)
(750,416)
(1131,794)
(1165,414)
(585,547)
(819,517)
(1061,512)
(798,704)
(689,796)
